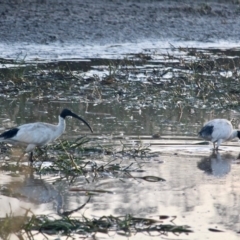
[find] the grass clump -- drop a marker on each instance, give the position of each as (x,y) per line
(197,78)
(127,225)
(122,225)
(89,159)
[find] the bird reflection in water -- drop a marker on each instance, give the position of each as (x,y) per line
(36,191)
(216,164)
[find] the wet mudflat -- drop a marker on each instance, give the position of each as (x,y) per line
(143,173)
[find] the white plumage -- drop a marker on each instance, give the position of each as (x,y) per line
(218,131)
(38,134)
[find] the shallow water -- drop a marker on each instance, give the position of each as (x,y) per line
(201,187)
(201,190)
(75,51)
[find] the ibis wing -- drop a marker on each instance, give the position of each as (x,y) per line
(9,133)
(206,132)
(35,133)
(222,130)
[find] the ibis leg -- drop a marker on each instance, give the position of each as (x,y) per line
(218,144)
(31,157)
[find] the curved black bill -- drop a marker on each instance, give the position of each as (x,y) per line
(76,116)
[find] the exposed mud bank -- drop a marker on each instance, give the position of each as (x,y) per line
(105,21)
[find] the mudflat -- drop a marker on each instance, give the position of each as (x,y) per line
(106,21)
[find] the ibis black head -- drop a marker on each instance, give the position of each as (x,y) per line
(66,112)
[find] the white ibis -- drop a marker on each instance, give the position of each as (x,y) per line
(38,134)
(218,131)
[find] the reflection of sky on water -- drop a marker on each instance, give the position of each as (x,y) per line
(74,50)
(217,164)
(197,199)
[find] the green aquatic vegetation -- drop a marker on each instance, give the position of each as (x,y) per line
(16,74)
(81,157)
(198,78)
(135,150)
(76,144)
(123,225)
(11,224)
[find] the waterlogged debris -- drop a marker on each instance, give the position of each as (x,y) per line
(148,178)
(152,179)
(176,229)
(202,143)
(108,80)
(164,217)
(68,213)
(214,230)
(143,56)
(75,189)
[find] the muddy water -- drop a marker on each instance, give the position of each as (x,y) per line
(201,187)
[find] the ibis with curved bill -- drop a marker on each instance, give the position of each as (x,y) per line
(38,134)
